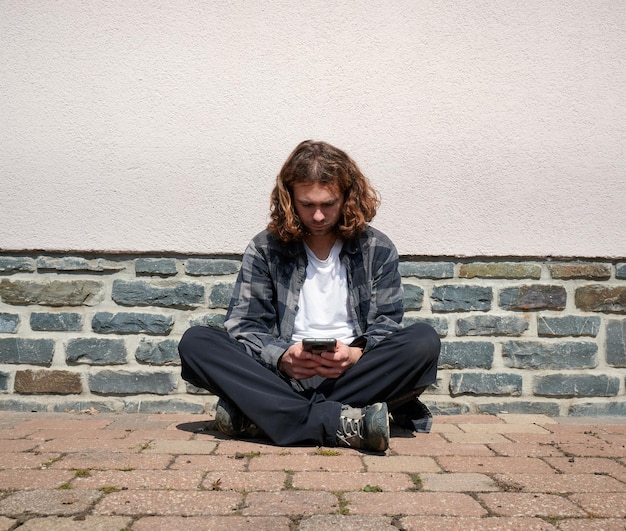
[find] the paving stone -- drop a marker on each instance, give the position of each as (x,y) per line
(49,502)
(503,428)
(479,437)
(212,523)
(88,523)
(494,465)
(28,460)
(147,479)
(590,524)
(353,481)
(224,480)
(66,444)
(17,445)
(527,504)
(290,503)
(6,524)
(209,462)
(584,465)
(400,463)
(525,450)
(233,447)
(346,523)
(18,479)
(446,523)
(461,482)
(113,460)
(168,503)
(164,437)
(528,419)
(418,503)
(604,505)
(100,435)
(561,483)
(594,449)
(331,463)
(180,447)
(436,448)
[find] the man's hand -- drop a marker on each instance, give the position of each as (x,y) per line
(300,364)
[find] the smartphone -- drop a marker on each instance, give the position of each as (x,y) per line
(318,345)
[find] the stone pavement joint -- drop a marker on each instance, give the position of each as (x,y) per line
(137,471)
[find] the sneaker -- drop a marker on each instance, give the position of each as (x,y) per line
(413,416)
(364,428)
(232,422)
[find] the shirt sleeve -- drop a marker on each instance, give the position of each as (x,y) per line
(386,305)
(252,316)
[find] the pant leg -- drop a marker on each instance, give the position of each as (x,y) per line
(403,362)
(213,360)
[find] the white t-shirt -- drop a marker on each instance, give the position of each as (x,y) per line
(323,302)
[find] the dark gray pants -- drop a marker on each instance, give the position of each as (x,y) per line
(292,413)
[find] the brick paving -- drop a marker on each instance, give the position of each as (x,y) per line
(108,471)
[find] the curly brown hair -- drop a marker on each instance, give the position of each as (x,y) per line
(319,162)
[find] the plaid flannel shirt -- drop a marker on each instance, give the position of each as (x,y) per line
(264,303)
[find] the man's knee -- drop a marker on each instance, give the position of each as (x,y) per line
(425,340)
(195,339)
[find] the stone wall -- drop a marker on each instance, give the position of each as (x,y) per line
(524,336)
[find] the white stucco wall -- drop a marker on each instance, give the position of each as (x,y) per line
(489,128)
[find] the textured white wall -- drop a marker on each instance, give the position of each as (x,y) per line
(490,128)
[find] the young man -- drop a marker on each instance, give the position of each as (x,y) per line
(318,270)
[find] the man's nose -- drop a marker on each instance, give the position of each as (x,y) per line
(319,215)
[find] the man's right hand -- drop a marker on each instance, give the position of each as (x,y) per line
(298,363)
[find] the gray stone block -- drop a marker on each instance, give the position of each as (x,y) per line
(211,266)
(109,382)
(52,293)
(23,405)
(551,409)
(56,322)
(460,298)
(486,384)
(620,270)
(433,270)
(220,294)
(557,356)
(413,297)
(570,325)
(167,294)
(533,297)
(9,323)
(158,353)
(440,324)
(95,351)
(447,408)
(79,406)
(16,264)
(162,406)
(27,351)
(164,267)
(466,355)
(193,390)
(212,320)
(491,325)
(576,385)
(4,381)
(132,323)
(598,409)
(76,264)
(616,343)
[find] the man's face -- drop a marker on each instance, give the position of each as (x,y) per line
(318,206)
